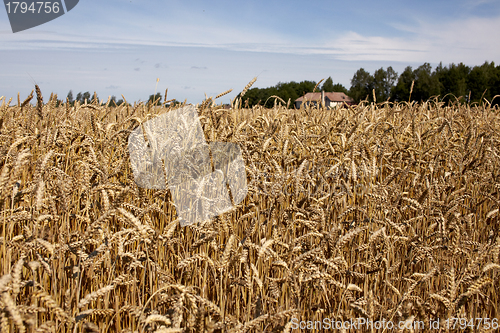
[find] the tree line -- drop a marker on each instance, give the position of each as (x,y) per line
(288,91)
(452,82)
(86,96)
(449,82)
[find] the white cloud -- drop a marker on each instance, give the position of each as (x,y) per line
(469,40)
(471,4)
(355,47)
(462,40)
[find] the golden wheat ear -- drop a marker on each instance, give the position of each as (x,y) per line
(39,99)
(375,212)
(223,93)
(248,86)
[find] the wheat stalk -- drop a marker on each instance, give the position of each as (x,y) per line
(248,86)
(386,211)
(223,93)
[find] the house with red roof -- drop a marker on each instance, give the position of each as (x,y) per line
(328,99)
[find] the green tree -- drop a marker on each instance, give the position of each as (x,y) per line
(481,82)
(328,85)
(94,98)
(304,87)
(174,103)
(253,96)
(383,82)
(361,85)
(112,101)
(379,79)
(286,91)
(155,98)
(379,84)
(71,101)
(495,86)
(401,91)
(453,81)
(85,97)
(392,78)
(337,87)
(426,83)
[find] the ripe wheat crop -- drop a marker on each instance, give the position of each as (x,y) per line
(381,211)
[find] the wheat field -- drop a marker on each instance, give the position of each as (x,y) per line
(378,211)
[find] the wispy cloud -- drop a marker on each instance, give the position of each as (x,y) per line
(471,4)
(468,40)
(465,40)
(205,52)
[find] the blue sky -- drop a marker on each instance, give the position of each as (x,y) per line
(119,47)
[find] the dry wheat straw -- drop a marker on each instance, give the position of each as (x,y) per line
(386,211)
(248,86)
(223,93)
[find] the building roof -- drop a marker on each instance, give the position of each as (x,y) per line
(332,96)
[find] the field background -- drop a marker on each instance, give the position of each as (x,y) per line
(381,211)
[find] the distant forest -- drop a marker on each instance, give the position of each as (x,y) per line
(86,96)
(449,82)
